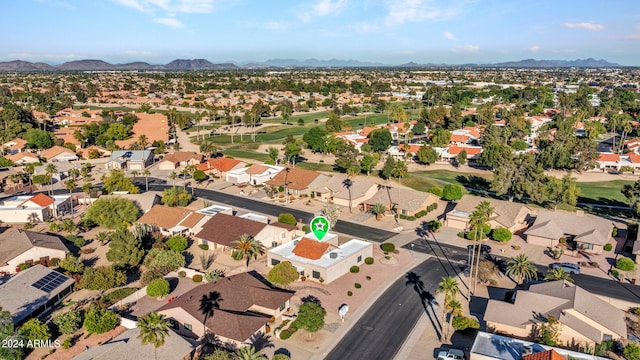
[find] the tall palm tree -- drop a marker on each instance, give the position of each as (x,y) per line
(399,170)
(248,247)
(249,353)
(70,185)
(50,170)
(378,210)
(154,328)
(146,173)
(135,174)
(484,210)
(29,169)
(557,274)
(143,141)
(449,287)
(522,268)
(455,309)
(208,304)
(347,183)
(173,176)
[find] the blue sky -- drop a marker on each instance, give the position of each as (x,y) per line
(388,31)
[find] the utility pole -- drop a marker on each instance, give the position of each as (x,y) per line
(286,173)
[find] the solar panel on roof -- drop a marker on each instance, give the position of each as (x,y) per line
(49,282)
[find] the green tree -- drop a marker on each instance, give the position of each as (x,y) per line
(176,196)
(461,158)
(399,170)
(199,176)
(632,193)
(521,268)
(113,212)
(154,329)
(549,333)
(249,353)
(380,139)
(68,322)
(291,151)
(287,218)
(397,113)
(427,155)
(440,138)
(117,181)
(99,321)
(72,264)
(8,334)
(557,274)
(315,139)
(449,288)
(34,329)
(39,139)
(419,129)
(495,155)
(632,351)
(102,278)
(248,247)
(387,168)
(51,169)
(369,161)
(452,192)
(177,243)
(378,210)
(563,190)
(158,287)
(283,274)
(221,354)
(311,317)
(125,249)
(333,124)
(167,260)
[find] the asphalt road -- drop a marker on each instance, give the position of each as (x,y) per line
(383,329)
(344,227)
(593,284)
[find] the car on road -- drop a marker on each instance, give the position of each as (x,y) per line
(451,354)
(568,267)
(484,249)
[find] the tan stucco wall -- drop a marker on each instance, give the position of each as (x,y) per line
(456,222)
(537,240)
(34,254)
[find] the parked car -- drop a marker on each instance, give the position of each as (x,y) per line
(484,249)
(570,268)
(451,354)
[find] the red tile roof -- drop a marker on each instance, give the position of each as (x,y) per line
(41,200)
(460,138)
(297,179)
(455,150)
(220,164)
(257,169)
(608,157)
(310,249)
(544,355)
(634,158)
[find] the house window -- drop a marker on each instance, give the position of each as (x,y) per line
(315,274)
(359,258)
(275,262)
(283,235)
(587,246)
(607,337)
(188,326)
(282,306)
(404,212)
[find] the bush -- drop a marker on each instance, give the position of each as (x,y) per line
(615,273)
(117,295)
(176,196)
(69,322)
(287,218)
(501,234)
(354,269)
(34,329)
(368,260)
(632,351)
(78,241)
(306,228)
(624,263)
(102,278)
(357,285)
(435,191)
(388,247)
(204,246)
(197,278)
(608,247)
(177,243)
(182,274)
(98,321)
(452,192)
(67,343)
(614,232)
(349,293)
(158,287)
(285,334)
(462,323)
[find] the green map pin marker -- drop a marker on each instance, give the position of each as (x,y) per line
(320,227)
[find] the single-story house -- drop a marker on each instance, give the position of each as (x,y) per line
(19,246)
(320,259)
(129,346)
(25,157)
(301,181)
(361,189)
(406,201)
(452,151)
(579,231)
(34,209)
(179,158)
(242,307)
(173,220)
(584,318)
(33,291)
(506,214)
(130,159)
(14,146)
(144,201)
(487,346)
(93,149)
(256,174)
(220,166)
(613,162)
(58,153)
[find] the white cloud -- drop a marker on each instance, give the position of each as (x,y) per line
(172,6)
(328,7)
(365,27)
(171,22)
(534,48)
(402,11)
(467,48)
(277,25)
(584,25)
(137,53)
(449,36)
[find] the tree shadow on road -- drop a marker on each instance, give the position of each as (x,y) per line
(427,299)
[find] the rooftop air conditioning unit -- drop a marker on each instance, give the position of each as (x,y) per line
(333,255)
(295,242)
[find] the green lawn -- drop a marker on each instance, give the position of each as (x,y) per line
(604,192)
(423,180)
(245,154)
(315,166)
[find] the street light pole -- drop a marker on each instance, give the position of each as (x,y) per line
(286,173)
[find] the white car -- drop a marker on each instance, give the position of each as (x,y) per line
(451,354)
(570,268)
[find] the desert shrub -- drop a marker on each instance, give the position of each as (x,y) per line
(182,274)
(68,322)
(615,273)
(368,277)
(625,263)
(614,232)
(608,247)
(462,323)
(632,351)
(487,270)
(435,191)
(204,246)
(354,269)
(78,241)
(368,260)
(158,287)
(306,228)
(117,295)
(67,343)
(349,293)
(177,243)
(287,218)
(197,278)
(388,247)
(452,192)
(98,321)
(357,285)
(501,234)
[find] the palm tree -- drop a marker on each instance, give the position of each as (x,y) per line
(146,173)
(173,176)
(87,187)
(378,210)
(143,141)
(154,328)
(249,353)
(103,237)
(455,309)
(248,247)
(557,274)
(399,170)
(208,304)
(449,287)
(70,185)
(29,169)
(484,211)
(208,148)
(348,183)
(50,170)
(522,268)
(135,174)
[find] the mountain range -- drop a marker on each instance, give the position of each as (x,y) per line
(202,64)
